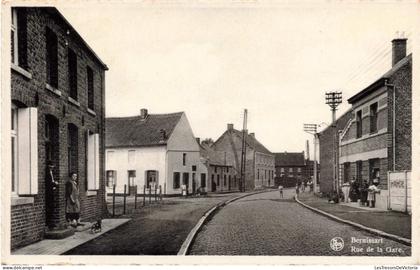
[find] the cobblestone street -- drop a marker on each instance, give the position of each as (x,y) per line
(264,224)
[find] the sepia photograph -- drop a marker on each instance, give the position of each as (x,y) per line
(199,131)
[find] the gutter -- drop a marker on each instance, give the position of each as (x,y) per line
(393,122)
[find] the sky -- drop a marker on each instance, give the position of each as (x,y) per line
(277,59)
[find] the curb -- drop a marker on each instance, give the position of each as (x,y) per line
(193,233)
(394,237)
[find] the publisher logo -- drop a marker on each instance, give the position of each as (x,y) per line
(337,243)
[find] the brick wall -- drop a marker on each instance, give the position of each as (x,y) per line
(326,153)
(28,221)
(402,80)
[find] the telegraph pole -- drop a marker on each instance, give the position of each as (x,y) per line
(333,99)
(243,154)
(312,129)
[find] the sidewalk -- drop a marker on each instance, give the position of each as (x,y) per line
(391,222)
(59,246)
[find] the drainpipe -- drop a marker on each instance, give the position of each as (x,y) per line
(393,122)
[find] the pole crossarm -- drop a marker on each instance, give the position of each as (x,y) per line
(310,128)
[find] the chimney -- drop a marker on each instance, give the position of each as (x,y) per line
(399,49)
(143,113)
(229,126)
(198,140)
(252,134)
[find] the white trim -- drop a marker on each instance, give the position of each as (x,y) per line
(91,193)
(21,200)
(380,153)
(92,112)
(364,137)
(21,71)
(14,28)
(52,89)
(73,101)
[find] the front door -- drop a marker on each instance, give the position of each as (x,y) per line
(152,180)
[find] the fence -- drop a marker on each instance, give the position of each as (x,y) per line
(399,187)
(131,200)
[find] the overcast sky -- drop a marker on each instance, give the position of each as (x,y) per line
(213,61)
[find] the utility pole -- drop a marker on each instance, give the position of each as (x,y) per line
(243,154)
(333,99)
(312,129)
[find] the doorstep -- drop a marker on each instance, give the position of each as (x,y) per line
(60,246)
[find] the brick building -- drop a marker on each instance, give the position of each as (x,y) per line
(290,168)
(377,139)
(326,156)
(222,176)
(259,161)
(57,127)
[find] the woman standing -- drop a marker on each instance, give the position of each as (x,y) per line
(72,200)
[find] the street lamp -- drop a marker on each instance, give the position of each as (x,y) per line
(312,129)
(333,99)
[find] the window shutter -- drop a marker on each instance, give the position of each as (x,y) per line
(93,161)
(97,175)
(28,151)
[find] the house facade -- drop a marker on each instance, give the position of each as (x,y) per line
(327,144)
(57,124)
(152,151)
(377,140)
(290,168)
(221,176)
(259,161)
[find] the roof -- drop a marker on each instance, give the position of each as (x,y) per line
(289,159)
(135,131)
(252,142)
(54,11)
(381,81)
(211,155)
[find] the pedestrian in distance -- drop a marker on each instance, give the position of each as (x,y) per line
(72,201)
(281,191)
(297,189)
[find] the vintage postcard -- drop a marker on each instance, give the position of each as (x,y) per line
(210,132)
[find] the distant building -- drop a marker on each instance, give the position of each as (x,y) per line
(152,150)
(57,127)
(308,173)
(259,169)
(222,176)
(290,168)
(377,139)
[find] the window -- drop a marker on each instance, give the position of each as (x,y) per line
(91,90)
(374,117)
(111,178)
(359,168)
(184,159)
(346,175)
(176,180)
(93,161)
(258,173)
(281,169)
(18,37)
(224,180)
(359,124)
(218,180)
(132,178)
(72,148)
(52,59)
(299,170)
(24,146)
(290,169)
(203,180)
(72,66)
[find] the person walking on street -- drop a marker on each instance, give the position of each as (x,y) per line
(297,189)
(72,201)
(281,191)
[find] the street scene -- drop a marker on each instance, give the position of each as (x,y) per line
(231,141)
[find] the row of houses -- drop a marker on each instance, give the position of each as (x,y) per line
(160,151)
(293,168)
(373,138)
(56,105)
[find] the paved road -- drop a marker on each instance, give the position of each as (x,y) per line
(264,224)
(159,229)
